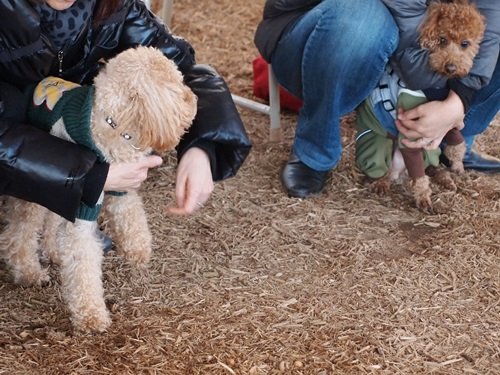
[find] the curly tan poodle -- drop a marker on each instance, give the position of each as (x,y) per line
(137,105)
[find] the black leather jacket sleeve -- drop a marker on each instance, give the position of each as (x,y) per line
(217,127)
(40,168)
(217,123)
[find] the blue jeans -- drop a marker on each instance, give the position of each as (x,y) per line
(332,58)
(484,106)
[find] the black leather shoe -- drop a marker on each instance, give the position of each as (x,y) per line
(300,181)
(477,161)
(107,242)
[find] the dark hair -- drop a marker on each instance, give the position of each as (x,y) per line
(104,8)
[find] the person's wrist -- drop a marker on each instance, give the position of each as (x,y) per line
(455,103)
(200,151)
(208,149)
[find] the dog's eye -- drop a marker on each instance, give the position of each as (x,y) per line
(443,41)
(465,44)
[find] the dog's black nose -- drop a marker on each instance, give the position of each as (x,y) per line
(451,68)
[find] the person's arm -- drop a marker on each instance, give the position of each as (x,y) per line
(194,183)
(216,144)
(40,168)
(217,128)
(428,123)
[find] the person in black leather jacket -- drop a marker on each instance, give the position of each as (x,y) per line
(72,39)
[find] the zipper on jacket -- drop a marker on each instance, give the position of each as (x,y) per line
(60,58)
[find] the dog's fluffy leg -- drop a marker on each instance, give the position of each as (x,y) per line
(442,177)
(128,225)
(19,242)
(422,193)
(50,232)
(381,186)
(455,154)
(81,257)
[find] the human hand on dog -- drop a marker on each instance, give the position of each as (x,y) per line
(426,125)
(194,182)
(129,176)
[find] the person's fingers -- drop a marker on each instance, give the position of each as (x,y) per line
(187,209)
(191,204)
(152,161)
(406,131)
(409,114)
(425,143)
(180,190)
(415,143)
(433,145)
(173,210)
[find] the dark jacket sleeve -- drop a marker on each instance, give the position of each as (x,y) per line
(217,123)
(276,17)
(40,168)
(217,128)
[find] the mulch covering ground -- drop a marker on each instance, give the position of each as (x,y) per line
(257,283)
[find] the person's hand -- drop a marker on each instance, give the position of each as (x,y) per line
(129,176)
(194,182)
(426,125)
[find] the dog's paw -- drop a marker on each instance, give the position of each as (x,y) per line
(381,186)
(92,321)
(457,167)
(455,154)
(424,203)
(443,178)
(422,193)
(139,257)
(37,277)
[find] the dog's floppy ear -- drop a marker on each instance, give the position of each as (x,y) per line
(144,92)
(167,111)
(161,104)
(429,32)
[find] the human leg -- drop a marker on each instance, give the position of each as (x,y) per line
(331,58)
(484,107)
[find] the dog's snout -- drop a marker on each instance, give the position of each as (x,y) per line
(451,68)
